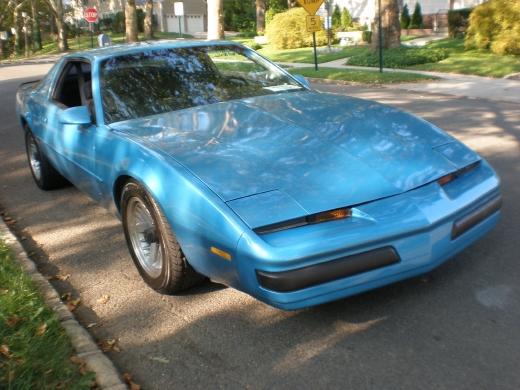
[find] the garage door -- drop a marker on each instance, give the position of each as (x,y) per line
(195,23)
(172,24)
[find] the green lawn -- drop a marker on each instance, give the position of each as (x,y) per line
(306,54)
(360,76)
(458,60)
(83,42)
(35,352)
(471,61)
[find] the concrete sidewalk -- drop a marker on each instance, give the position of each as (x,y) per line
(507,90)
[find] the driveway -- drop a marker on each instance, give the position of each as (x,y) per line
(455,328)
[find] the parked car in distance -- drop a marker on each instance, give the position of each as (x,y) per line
(222,165)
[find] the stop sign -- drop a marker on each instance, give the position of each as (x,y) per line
(90,15)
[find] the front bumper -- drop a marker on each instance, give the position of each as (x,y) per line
(424,227)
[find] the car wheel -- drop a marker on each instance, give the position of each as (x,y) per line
(43,173)
(152,243)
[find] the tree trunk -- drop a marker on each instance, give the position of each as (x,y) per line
(390,25)
(62,34)
(260,16)
(452,4)
(215,19)
(148,20)
(18,31)
(131,21)
(37,36)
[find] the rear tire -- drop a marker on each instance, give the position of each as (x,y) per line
(152,244)
(43,173)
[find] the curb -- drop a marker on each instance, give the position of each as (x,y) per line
(107,377)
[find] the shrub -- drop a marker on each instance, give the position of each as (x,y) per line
(287,30)
(458,21)
(416,21)
(336,18)
(367,36)
(118,24)
(405,17)
(346,19)
(494,25)
(401,57)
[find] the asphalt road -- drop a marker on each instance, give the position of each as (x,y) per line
(455,328)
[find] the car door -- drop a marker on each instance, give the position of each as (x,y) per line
(72,147)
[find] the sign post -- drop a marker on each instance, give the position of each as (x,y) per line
(313,22)
(178,10)
(91,16)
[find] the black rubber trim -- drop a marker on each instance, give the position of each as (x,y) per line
(467,222)
(326,272)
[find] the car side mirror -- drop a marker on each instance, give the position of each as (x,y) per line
(302,80)
(76,116)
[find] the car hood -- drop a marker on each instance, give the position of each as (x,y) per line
(312,151)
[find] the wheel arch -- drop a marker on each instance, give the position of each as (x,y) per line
(117,189)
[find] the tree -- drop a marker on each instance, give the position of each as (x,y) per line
(336,17)
(405,17)
(37,36)
(346,19)
(131,21)
(57,9)
(215,19)
(148,20)
(416,21)
(390,25)
(260,16)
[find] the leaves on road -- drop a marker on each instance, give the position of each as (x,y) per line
(109,345)
(103,299)
(61,277)
(128,379)
(71,303)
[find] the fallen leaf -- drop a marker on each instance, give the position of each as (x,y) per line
(72,304)
(59,277)
(66,296)
(109,345)
(103,299)
(4,350)
(41,329)
(13,321)
(160,359)
(128,379)
(80,363)
(3,291)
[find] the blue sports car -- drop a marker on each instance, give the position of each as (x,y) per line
(222,165)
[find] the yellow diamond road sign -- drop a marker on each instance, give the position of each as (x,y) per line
(311,6)
(313,23)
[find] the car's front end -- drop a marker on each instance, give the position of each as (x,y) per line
(378,243)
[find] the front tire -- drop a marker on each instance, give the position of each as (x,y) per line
(152,244)
(43,173)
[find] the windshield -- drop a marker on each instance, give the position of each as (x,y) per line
(164,80)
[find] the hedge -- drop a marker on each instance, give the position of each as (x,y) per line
(401,57)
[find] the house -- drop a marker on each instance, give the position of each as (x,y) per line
(195,19)
(434,11)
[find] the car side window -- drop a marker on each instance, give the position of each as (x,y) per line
(74,86)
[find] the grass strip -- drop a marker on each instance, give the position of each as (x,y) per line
(35,352)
